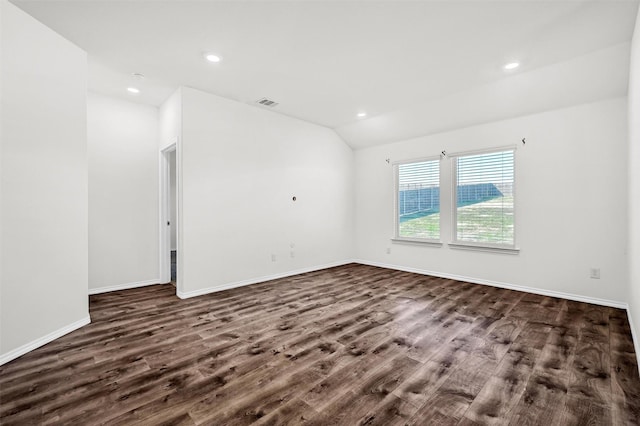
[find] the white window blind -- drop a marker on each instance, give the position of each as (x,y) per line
(484,199)
(418,200)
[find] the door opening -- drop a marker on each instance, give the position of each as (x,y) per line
(169,217)
(173,223)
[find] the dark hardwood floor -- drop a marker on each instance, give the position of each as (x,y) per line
(348,345)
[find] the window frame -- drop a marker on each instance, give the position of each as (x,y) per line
(469,245)
(396,210)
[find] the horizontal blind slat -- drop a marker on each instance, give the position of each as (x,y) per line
(484,198)
(418,195)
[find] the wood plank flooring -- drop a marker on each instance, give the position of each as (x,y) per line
(347,345)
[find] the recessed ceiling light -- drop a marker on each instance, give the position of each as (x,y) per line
(133,90)
(362,114)
(512,65)
(212,58)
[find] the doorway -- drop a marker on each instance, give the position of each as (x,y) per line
(169,216)
(173,223)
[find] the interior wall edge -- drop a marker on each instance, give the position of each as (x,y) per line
(124,286)
(243,283)
(634,337)
(35,344)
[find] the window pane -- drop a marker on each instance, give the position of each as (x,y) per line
(419,200)
(484,198)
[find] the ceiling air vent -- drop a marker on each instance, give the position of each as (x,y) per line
(267,102)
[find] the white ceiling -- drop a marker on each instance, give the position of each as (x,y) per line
(324,61)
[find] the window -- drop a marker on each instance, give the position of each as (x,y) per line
(483,203)
(418,200)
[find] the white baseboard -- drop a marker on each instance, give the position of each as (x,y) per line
(543,292)
(125,286)
(11,355)
(15,353)
(551,293)
(200,292)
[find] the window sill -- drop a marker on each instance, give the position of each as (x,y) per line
(472,247)
(417,242)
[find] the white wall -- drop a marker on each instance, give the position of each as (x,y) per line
(44,184)
(634,181)
(123,193)
(241,166)
(571,202)
(171,120)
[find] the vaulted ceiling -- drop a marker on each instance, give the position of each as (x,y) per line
(413,66)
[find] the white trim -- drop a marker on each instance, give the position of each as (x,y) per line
(417,241)
(483,151)
(487,248)
(164,213)
(125,286)
(165,248)
(11,355)
(227,286)
(543,292)
(416,160)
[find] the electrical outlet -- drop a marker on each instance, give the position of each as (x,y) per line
(594,273)
(273,257)
(388,250)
